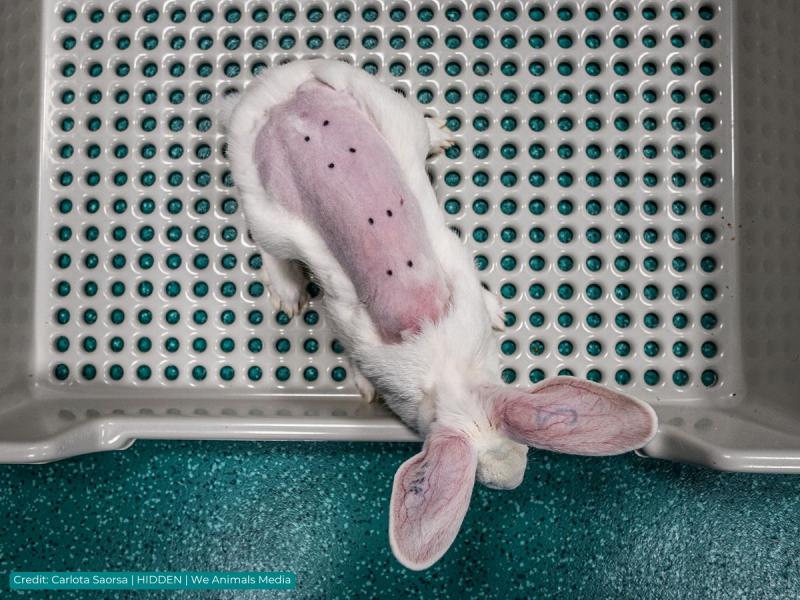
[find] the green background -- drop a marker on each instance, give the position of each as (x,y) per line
(621,527)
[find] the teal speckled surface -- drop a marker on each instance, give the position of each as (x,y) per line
(620,527)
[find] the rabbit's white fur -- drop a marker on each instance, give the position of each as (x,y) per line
(434,374)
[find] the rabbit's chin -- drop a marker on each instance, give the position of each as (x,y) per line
(501,462)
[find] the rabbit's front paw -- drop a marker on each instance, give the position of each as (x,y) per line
(496,313)
(289,299)
(286,285)
(441,136)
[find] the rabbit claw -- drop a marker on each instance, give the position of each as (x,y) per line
(440,135)
(496,313)
(290,302)
(364,386)
(286,286)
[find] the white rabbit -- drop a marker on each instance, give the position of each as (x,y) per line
(330,164)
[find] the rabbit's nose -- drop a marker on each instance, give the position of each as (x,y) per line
(501,463)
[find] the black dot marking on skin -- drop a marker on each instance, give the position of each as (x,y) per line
(389,272)
(306,138)
(330,165)
(325,123)
(371,221)
(388,213)
(353,150)
(410,263)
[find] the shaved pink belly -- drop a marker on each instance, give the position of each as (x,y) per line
(324,160)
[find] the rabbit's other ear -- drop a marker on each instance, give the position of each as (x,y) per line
(430,497)
(574,416)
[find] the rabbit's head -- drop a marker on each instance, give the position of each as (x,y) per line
(432,490)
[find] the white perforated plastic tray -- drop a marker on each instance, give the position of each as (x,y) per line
(593,181)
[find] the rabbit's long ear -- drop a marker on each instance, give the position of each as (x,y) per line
(430,497)
(570,415)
